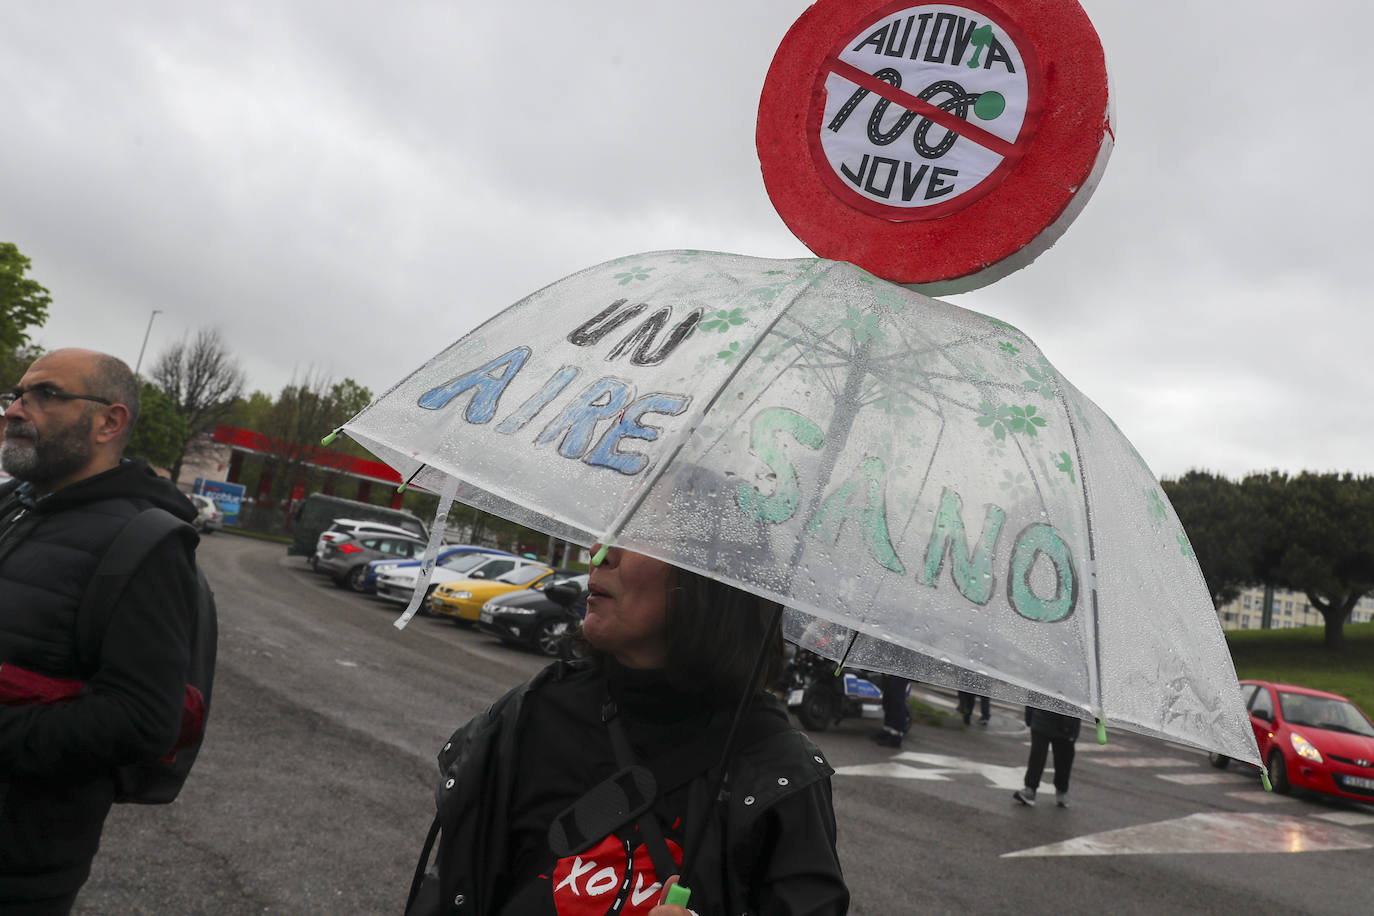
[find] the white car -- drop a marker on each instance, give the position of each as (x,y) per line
(209,516)
(398,584)
(353,527)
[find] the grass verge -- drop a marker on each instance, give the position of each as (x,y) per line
(1297,656)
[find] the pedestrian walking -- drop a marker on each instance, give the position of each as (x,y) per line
(896,712)
(1049,730)
(966,703)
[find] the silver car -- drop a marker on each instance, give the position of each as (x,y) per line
(209,516)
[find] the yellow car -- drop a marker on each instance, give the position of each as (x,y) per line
(463,599)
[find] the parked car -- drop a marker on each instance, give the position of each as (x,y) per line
(399,584)
(462,600)
(539,618)
(209,518)
(318,511)
(345,561)
(342,528)
(379,567)
(1310,739)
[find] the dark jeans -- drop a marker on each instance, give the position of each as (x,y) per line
(966,704)
(896,713)
(1063,760)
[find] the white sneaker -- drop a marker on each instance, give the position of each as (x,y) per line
(1025,797)
(1061,799)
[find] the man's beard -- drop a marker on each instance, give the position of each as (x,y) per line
(40,460)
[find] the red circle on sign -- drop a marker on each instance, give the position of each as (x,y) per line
(984,232)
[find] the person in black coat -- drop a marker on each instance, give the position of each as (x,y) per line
(523,825)
(1049,730)
(65,428)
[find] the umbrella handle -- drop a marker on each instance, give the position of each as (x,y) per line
(677,895)
(1101,732)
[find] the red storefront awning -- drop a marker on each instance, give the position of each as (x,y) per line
(249,441)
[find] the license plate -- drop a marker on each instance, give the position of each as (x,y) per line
(1357,782)
(794,697)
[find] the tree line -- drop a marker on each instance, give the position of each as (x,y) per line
(1310,533)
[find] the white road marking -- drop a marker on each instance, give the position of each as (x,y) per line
(1144,762)
(345,662)
(1348,818)
(1198,779)
(1211,833)
(1258,796)
(894,771)
(938,768)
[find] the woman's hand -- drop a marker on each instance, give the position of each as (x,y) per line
(667,909)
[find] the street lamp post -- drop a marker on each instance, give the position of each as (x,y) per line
(139,364)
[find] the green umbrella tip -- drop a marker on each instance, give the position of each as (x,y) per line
(601,552)
(330,438)
(1101,732)
(678,895)
(1264,778)
(402,488)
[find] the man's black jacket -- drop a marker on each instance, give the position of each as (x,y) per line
(56,761)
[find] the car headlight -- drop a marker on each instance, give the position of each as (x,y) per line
(464,595)
(1304,748)
(519,611)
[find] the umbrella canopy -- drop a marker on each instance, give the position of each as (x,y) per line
(880,461)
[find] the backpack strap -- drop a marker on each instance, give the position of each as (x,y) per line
(121,560)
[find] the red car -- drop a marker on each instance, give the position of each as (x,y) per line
(1311,739)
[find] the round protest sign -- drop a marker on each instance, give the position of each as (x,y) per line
(938,144)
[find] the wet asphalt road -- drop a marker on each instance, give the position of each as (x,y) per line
(314,788)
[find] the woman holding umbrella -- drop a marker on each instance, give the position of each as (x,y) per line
(582,790)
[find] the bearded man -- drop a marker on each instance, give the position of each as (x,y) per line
(65,429)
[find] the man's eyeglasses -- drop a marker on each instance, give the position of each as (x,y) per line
(43,394)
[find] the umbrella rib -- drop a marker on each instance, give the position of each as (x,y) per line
(1092,552)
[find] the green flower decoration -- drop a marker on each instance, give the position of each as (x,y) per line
(1041,379)
(722,321)
(1009,419)
(864,327)
(1013,484)
(1009,348)
(1154,504)
(1065,464)
(729,355)
(634,273)
(1184,547)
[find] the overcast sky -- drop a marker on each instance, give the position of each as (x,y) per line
(345,188)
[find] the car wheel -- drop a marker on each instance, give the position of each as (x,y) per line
(817,709)
(313,563)
(357,579)
(1278,773)
(548,639)
(1219,761)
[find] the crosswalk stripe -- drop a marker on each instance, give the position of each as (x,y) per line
(1199,779)
(1348,818)
(1210,833)
(1144,762)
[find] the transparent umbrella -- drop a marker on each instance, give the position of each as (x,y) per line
(914,473)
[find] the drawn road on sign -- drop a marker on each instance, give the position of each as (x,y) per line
(923,108)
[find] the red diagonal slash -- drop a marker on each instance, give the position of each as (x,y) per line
(923,108)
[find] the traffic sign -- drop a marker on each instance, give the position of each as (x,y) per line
(942,145)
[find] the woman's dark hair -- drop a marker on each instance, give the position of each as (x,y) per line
(715,633)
